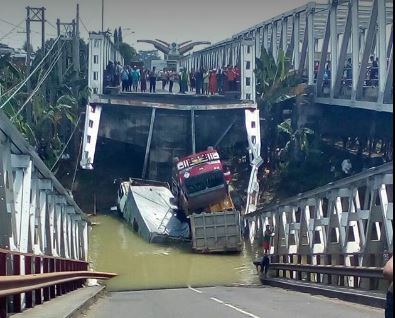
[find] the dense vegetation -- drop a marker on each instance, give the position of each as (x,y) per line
(56,105)
(292,153)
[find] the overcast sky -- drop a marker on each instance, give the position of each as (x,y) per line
(169,20)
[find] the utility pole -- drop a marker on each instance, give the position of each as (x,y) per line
(67,33)
(33,15)
(60,61)
(28,56)
(102,15)
(43,29)
(76,46)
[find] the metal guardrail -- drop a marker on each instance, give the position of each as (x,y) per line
(12,285)
(353,271)
(36,279)
(294,267)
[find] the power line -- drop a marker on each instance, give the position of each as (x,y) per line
(40,83)
(31,74)
(67,144)
(76,163)
(9,23)
(50,24)
(12,30)
(83,24)
(11,89)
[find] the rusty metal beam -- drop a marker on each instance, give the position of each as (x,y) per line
(17,284)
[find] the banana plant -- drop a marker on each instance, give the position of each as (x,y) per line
(298,140)
(275,81)
(275,85)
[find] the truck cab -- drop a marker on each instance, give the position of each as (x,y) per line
(199,181)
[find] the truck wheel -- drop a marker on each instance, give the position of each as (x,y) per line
(135,226)
(119,210)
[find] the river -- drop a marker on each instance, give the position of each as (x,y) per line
(114,247)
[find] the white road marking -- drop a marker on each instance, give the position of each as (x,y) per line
(242,311)
(234,308)
(225,304)
(217,300)
(195,290)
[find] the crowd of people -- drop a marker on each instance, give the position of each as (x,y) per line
(372,74)
(132,78)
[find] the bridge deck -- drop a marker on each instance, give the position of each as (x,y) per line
(172,101)
(229,302)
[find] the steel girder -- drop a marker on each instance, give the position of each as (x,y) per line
(350,216)
(37,215)
(318,33)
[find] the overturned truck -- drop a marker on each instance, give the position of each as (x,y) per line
(196,206)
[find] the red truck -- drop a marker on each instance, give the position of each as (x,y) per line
(201,188)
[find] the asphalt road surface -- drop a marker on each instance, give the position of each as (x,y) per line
(226,302)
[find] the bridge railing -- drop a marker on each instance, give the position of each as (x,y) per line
(37,214)
(10,265)
(348,217)
(39,220)
(329,270)
(44,278)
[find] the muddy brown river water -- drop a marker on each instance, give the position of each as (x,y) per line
(114,247)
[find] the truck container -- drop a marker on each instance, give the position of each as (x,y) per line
(218,232)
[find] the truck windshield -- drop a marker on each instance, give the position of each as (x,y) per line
(204,181)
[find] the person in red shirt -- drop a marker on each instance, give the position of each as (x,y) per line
(231,77)
(213,82)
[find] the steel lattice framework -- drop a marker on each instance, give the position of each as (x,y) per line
(315,34)
(37,215)
(350,216)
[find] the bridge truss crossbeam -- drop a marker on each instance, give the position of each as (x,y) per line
(37,215)
(350,216)
(330,45)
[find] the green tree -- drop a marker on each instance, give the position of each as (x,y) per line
(276,84)
(56,106)
(120,38)
(298,141)
(10,73)
(128,53)
(25,47)
(116,38)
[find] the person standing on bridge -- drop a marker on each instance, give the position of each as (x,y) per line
(143,80)
(183,81)
(135,78)
(192,80)
(213,82)
(125,78)
(265,264)
(267,238)
(231,77)
(206,77)
(172,79)
(152,80)
(199,81)
(389,275)
(220,80)
(118,72)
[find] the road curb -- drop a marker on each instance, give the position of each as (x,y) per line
(76,313)
(365,298)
